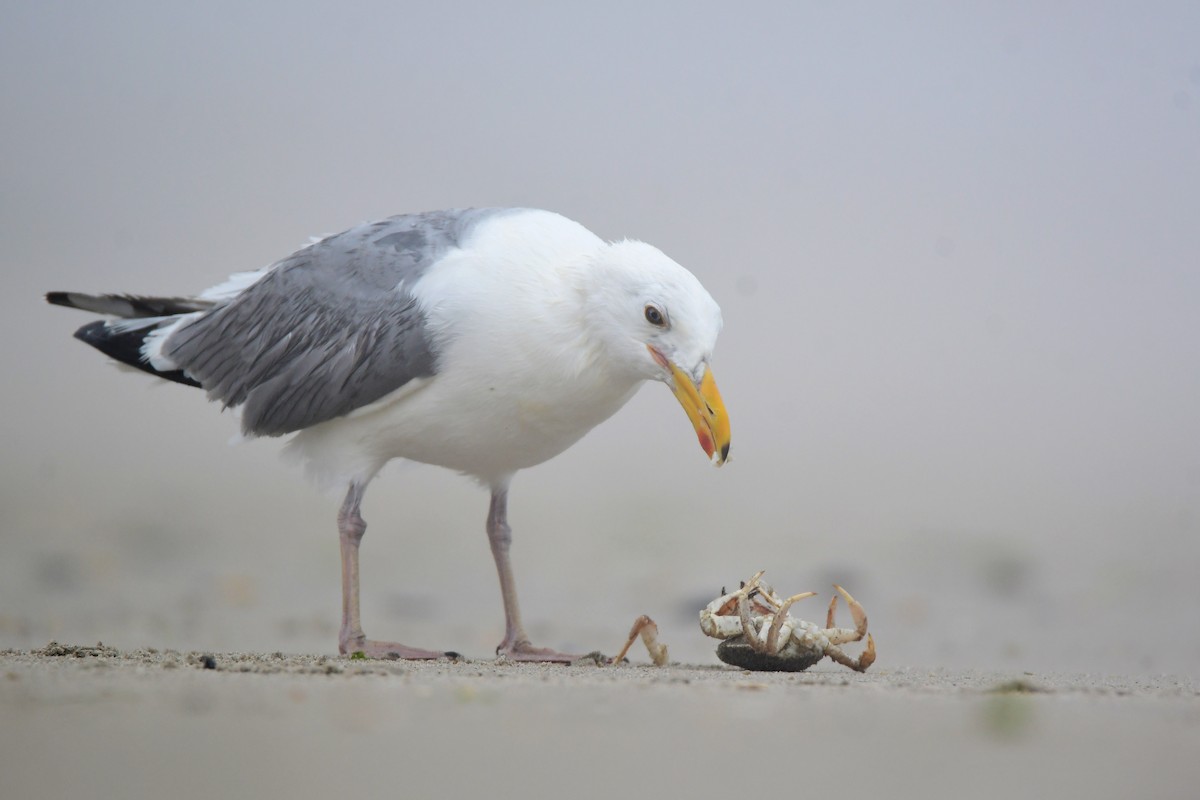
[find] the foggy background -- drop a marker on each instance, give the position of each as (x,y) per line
(957,249)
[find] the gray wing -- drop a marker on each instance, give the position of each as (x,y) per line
(329,329)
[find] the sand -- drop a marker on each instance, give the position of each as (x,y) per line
(92,721)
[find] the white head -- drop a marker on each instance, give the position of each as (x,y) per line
(659,323)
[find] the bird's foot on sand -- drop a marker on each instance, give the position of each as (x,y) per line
(390,650)
(522,650)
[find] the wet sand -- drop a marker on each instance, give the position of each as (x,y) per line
(96,722)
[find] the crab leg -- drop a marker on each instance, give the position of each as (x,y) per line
(748,630)
(649,631)
(751,589)
(781,616)
(749,586)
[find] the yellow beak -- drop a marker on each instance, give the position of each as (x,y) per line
(706,410)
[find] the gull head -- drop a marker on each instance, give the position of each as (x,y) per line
(656,321)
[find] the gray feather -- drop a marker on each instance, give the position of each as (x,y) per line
(329,329)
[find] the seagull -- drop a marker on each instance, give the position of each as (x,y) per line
(485,341)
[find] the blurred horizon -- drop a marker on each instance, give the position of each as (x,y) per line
(956,249)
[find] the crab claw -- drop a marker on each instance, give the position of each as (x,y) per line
(867,657)
(856,611)
(857,663)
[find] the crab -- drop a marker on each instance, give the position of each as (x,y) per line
(758,633)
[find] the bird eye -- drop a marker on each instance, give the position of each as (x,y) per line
(655,316)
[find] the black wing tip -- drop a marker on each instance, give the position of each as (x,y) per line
(94,333)
(59,299)
(126,347)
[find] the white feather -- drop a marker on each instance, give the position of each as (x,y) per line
(153,344)
(237,283)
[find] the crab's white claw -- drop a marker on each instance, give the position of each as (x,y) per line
(717,621)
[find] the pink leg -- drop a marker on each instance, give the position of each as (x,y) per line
(351,528)
(516,644)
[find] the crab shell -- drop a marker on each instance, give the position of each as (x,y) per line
(737,652)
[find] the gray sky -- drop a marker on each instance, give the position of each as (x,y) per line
(957,247)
